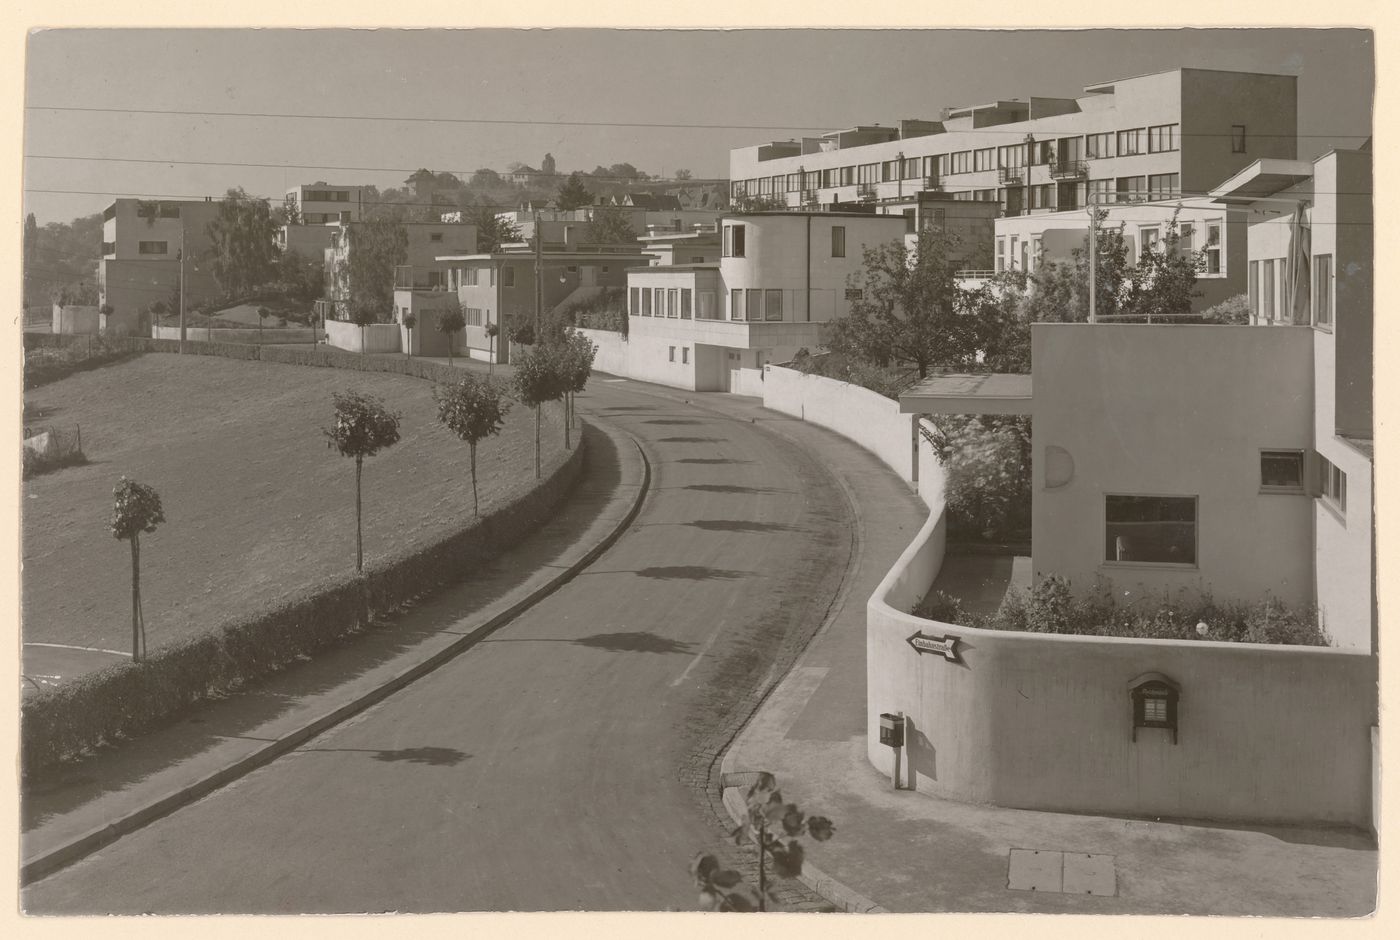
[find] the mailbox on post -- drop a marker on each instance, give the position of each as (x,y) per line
(1155,703)
(892,729)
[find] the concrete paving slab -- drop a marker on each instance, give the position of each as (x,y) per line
(1034,870)
(1089,874)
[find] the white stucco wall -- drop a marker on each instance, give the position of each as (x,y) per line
(378,337)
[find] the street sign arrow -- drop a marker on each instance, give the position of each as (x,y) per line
(947,645)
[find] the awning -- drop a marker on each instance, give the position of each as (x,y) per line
(967,394)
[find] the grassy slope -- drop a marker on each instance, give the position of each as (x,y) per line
(256,505)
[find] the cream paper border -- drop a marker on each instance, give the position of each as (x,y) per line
(22,16)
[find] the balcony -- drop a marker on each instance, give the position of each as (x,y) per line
(1011,174)
(403,277)
(1069,169)
(933,184)
(866,192)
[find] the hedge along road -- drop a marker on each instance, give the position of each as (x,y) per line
(558,765)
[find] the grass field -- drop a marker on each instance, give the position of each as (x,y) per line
(257,506)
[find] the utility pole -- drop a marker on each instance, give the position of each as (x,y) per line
(1093,261)
(539,273)
(182,284)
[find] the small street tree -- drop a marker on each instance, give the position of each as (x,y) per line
(135,509)
(363,427)
(493,330)
(410,320)
(766,823)
(362,314)
(450,324)
(263,314)
(574,359)
(573,194)
(474,410)
(537,381)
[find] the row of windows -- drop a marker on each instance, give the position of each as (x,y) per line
(1269,293)
(1162,138)
(327,195)
(674,303)
(152,210)
(473,316)
(1017,254)
(153,248)
(735,241)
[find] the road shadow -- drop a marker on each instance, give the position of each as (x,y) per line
(638,642)
(672,421)
(710,461)
(691,440)
(432,756)
(729,488)
(691,573)
(741,525)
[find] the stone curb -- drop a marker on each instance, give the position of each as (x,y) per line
(67,854)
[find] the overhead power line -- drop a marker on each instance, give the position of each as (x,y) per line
(564,123)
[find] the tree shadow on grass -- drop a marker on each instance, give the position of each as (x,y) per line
(638,642)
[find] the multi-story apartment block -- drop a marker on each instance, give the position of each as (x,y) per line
(779,277)
(142,242)
(1146,138)
(320,202)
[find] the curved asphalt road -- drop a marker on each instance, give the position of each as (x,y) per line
(557,765)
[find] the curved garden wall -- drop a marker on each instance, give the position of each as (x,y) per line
(1044,721)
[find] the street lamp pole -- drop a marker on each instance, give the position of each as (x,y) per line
(1093,262)
(539,273)
(182,284)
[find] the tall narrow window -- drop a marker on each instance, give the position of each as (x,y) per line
(635,300)
(1212,247)
(673,303)
(646,301)
(838,241)
(706,305)
(1253,288)
(507,276)
(772,305)
(685,303)
(754,303)
(1237,138)
(1267,296)
(1322,290)
(736,304)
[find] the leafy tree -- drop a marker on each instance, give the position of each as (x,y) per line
(610,225)
(1163,282)
(492,231)
(912,308)
(493,330)
(375,248)
(485,178)
(422,181)
(574,362)
(450,324)
(473,410)
(767,824)
(299,278)
(683,174)
(410,320)
(1232,310)
(31,253)
(537,381)
(987,474)
(135,509)
(242,254)
(573,194)
(363,427)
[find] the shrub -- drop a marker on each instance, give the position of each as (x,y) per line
(943,607)
(1233,310)
(987,463)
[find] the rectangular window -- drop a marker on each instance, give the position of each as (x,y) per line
(1043,196)
(1132,142)
(734,241)
(437,278)
(473,316)
(984,159)
(962,161)
(685,354)
(1001,255)
(1237,138)
(646,301)
(434,236)
(1098,146)
(634,301)
(1100,192)
(472,276)
(672,355)
(736,304)
(1161,138)
(869,173)
(831,178)
(909,168)
(1253,289)
(889,171)
(169,212)
(772,305)
(1153,530)
(1151,239)
(673,303)
(685,303)
(838,241)
(1131,188)
(1212,248)
(754,304)
(1332,482)
(659,301)
(508,277)
(706,305)
(1281,471)
(153,248)
(1163,185)
(848,176)
(1267,283)
(1322,290)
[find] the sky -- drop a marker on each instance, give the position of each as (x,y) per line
(659,99)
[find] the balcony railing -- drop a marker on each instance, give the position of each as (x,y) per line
(933,184)
(1069,169)
(1011,174)
(866,191)
(403,277)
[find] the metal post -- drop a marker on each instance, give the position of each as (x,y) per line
(539,273)
(898,752)
(1093,262)
(182,284)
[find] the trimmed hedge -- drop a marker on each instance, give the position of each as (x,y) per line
(46,364)
(129,698)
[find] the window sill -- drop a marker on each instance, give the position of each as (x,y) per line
(1332,507)
(1282,491)
(1322,327)
(1169,565)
